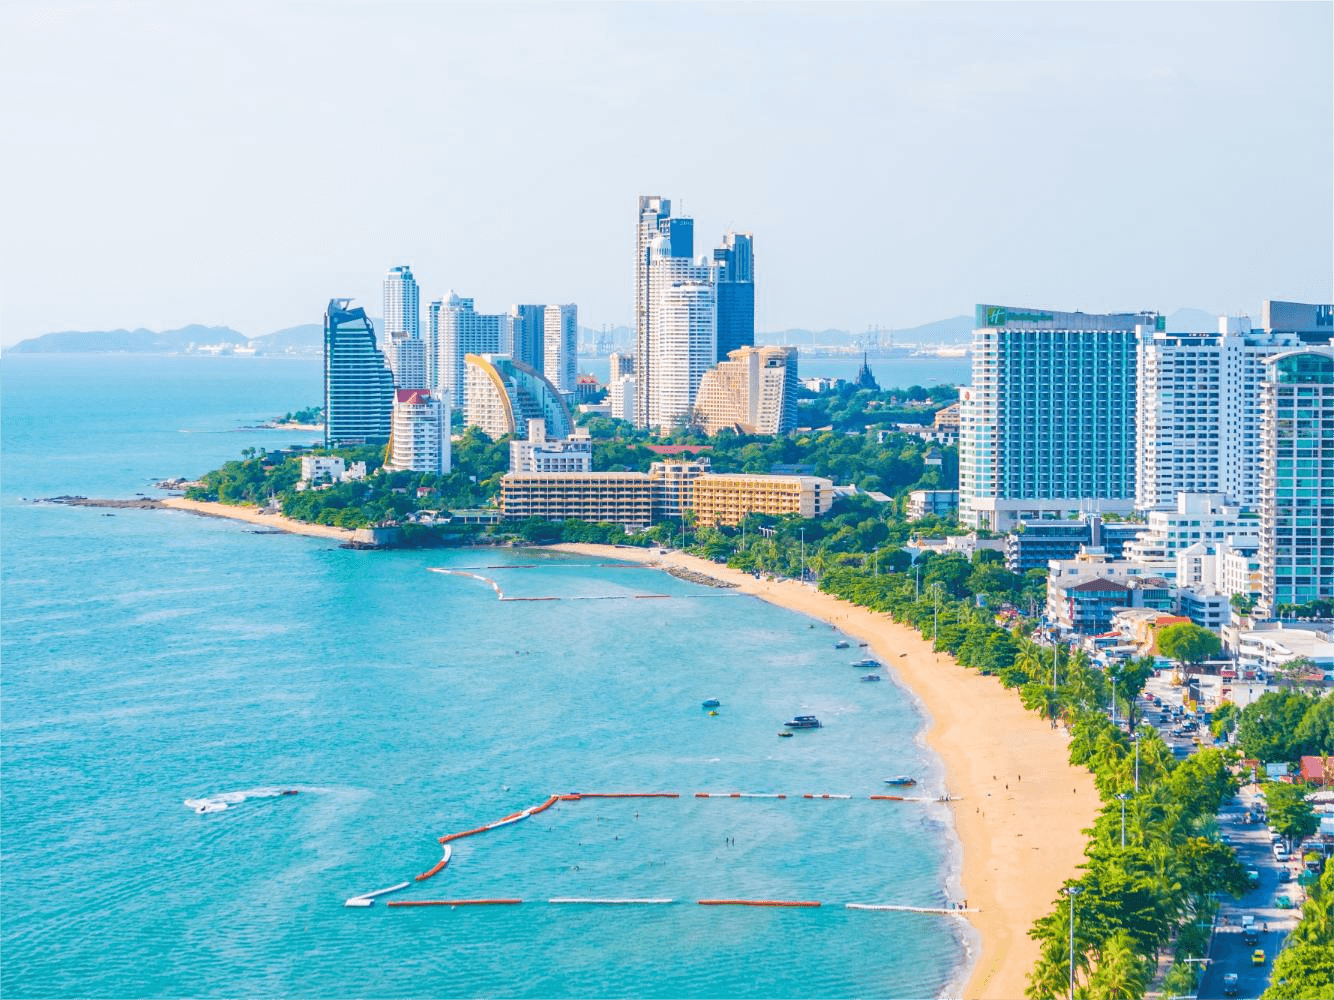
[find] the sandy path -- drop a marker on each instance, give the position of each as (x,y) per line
(253,516)
(1021,836)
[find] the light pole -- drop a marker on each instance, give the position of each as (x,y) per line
(1135,739)
(877,562)
(1123,798)
(1113,699)
(917,582)
(935,627)
(1072,891)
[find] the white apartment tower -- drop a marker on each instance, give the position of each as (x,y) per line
(401,302)
(1048,425)
(683,339)
(1198,412)
(459,331)
(420,440)
(621,397)
(560,345)
(407,360)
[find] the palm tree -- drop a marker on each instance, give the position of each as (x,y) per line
(1121,974)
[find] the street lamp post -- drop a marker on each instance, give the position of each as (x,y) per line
(1135,740)
(803,555)
(1072,891)
(917,582)
(1123,798)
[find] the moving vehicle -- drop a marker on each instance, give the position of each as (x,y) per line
(866,663)
(871,677)
(902,779)
(1230,984)
(1258,956)
(711,703)
(803,722)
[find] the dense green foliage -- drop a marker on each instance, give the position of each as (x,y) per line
(849,408)
(1274,727)
(1289,812)
(1304,969)
(310,415)
(1186,642)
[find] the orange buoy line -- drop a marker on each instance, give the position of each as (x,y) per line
(887,798)
(454,902)
(449,851)
(758,902)
(628,795)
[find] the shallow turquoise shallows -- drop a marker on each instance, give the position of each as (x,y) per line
(153,657)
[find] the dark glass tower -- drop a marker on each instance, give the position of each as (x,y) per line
(736,293)
(358,385)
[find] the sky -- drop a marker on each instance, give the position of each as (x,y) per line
(240,164)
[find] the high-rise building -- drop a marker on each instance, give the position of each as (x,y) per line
(420,441)
(1198,412)
(401,301)
(432,342)
(619,364)
(406,357)
(735,277)
(525,335)
(358,385)
(754,391)
(682,341)
(1048,425)
(621,397)
(561,346)
(503,395)
(1297,479)
(460,331)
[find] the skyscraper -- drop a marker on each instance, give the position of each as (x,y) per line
(1198,412)
(406,357)
(754,391)
(401,301)
(525,334)
(560,346)
(1297,479)
(672,237)
(1048,425)
(420,441)
(358,385)
(461,330)
(735,277)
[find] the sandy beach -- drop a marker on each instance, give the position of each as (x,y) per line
(1022,805)
(253,516)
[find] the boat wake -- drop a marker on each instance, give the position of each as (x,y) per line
(225,800)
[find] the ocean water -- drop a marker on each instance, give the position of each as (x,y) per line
(156,663)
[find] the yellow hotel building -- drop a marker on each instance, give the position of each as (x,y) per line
(725,498)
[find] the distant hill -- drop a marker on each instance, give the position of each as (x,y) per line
(303,339)
(139,341)
(955,330)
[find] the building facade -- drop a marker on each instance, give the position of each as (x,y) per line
(420,441)
(1198,412)
(932,503)
(538,453)
(619,364)
(406,357)
(611,497)
(726,498)
(1194,517)
(358,385)
(1297,479)
(524,335)
(734,274)
(560,347)
(503,395)
(621,397)
(754,391)
(1048,424)
(402,300)
(460,330)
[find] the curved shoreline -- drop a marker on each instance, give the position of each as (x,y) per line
(252,515)
(1021,838)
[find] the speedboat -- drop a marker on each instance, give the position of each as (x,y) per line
(803,722)
(866,663)
(785,732)
(871,677)
(711,703)
(902,779)
(841,644)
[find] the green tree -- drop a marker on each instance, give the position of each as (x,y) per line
(1289,812)
(1121,974)
(1315,733)
(1224,719)
(1267,729)
(1187,643)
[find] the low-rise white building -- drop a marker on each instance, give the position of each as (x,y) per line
(322,469)
(1267,647)
(538,454)
(621,397)
(1199,517)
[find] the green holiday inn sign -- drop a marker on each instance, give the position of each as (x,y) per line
(1000,315)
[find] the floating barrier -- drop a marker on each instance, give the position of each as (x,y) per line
(366,898)
(887,798)
(454,902)
(741,795)
(758,902)
(449,852)
(628,795)
(936,910)
(827,796)
(645,597)
(610,902)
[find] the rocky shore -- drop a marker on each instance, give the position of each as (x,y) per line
(139,503)
(694,576)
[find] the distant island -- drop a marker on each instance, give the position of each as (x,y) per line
(307,339)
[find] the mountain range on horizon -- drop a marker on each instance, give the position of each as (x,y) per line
(307,338)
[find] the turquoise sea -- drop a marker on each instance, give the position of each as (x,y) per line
(153,657)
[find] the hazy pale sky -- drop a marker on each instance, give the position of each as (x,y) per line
(240,164)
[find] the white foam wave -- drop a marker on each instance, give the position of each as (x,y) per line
(223,800)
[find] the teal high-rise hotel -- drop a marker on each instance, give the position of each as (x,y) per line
(1047,427)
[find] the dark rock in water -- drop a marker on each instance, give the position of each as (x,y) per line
(140,504)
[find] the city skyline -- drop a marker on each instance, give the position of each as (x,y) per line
(1141,171)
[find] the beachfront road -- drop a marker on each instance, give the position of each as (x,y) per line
(1228,952)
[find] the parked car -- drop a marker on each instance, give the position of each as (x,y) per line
(1230,984)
